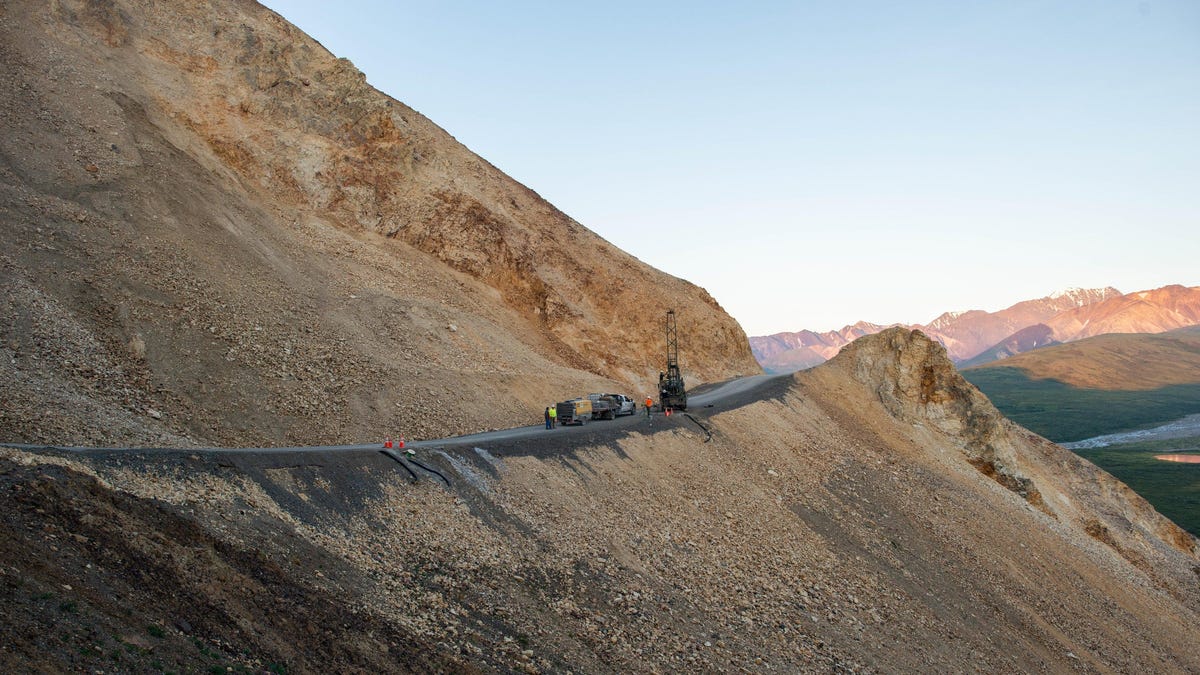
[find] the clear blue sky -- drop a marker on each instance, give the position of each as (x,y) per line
(812,164)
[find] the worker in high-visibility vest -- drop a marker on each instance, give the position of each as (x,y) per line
(649,404)
(553,412)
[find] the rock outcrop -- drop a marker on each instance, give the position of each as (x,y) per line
(916,383)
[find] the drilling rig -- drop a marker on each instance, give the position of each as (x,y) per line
(671,393)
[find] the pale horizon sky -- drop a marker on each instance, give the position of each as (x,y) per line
(814,164)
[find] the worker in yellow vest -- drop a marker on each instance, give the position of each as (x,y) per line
(553,412)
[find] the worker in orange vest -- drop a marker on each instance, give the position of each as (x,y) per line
(649,404)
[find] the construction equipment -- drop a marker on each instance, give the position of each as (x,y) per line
(671,393)
(576,411)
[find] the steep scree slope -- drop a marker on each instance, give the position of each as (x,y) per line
(215,232)
(840,525)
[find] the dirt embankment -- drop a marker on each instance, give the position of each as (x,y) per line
(836,526)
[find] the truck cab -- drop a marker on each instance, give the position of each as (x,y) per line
(625,405)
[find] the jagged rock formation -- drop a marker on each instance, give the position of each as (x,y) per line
(917,382)
(871,514)
(216,232)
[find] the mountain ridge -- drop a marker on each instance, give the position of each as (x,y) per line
(1115,361)
(970,335)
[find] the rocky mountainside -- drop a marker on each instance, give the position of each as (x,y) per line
(215,232)
(874,514)
(972,336)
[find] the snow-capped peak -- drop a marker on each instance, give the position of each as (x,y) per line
(1070,291)
(1079,297)
(944,320)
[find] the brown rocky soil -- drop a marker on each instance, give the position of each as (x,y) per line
(838,524)
(216,233)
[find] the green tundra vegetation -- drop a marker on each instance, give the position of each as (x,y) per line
(1063,413)
(1173,488)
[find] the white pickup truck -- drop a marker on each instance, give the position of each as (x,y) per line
(624,404)
(609,406)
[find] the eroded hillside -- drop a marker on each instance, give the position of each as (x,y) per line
(215,232)
(874,514)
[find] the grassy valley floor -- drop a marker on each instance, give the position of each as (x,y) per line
(1172,487)
(1064,413)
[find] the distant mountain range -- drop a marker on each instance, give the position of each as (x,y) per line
(1114,361)
(1024,340)
(787,352)
(975,337)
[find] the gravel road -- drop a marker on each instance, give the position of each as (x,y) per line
(535,440)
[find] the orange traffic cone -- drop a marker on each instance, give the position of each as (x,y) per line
(387,443)
(401,442)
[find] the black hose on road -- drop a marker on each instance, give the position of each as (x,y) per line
(702,427)
(434,471)
(399,461)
